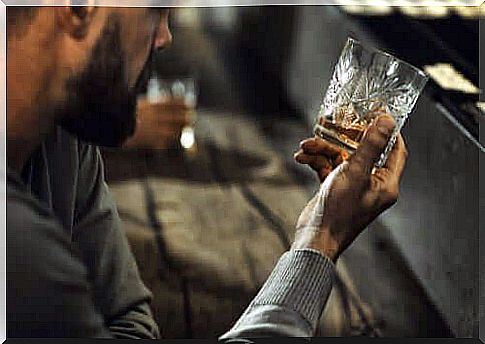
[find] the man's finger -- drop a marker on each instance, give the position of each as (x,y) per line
(302,158)
(318,163)
(373,144)
(164,116)
(324,172)
(319,146)
(341,158)
(397,158)
(315,161)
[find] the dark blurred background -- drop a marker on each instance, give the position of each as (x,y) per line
(208,227)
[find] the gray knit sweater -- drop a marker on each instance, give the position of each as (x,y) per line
(292,299)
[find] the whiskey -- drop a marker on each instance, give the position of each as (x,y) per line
(348,136)
(348,123)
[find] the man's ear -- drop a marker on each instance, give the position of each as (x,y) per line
(75,20)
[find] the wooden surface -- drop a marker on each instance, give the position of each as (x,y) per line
(208,228)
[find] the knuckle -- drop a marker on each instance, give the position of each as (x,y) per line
(405,152)
(359,178)
(355,167)
(390,195)
(379,139)
(375,142)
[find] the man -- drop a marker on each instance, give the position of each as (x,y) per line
(70,270)
(72,77)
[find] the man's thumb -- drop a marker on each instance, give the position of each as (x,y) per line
(373,143)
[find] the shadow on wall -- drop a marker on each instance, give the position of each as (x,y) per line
(237,54)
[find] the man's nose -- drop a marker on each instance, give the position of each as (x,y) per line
(163,38)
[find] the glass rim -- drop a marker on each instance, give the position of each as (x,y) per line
(189,82)
(185,80)
(373,49)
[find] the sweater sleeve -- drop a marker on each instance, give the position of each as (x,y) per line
(118,289)
(291,301)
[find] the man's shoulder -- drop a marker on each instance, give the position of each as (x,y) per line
(45,274)
(70,163)
(22,207)
(34,236)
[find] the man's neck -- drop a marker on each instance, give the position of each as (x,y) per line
(25,133)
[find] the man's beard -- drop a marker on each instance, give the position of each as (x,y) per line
(101,107)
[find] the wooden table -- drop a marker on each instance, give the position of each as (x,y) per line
(208,228)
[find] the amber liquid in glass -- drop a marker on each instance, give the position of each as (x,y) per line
(348,136)
(346,127)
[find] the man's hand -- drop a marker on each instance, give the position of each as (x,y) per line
(159,124)
(353,194)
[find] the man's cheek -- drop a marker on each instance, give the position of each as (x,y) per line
(135,70)
(138,54)
(144,76)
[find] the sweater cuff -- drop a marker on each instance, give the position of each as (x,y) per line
(301,281)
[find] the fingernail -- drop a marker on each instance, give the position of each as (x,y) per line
(385,125)
(308,143)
